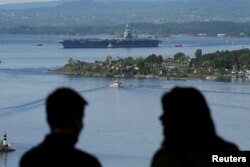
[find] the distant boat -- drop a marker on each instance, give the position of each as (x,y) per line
(178,44)
(4,145)
(202,34)
(116,84)
(221,35)
(39,44)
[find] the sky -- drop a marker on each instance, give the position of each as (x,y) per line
(2,2)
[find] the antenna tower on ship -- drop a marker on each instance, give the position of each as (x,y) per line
(127,33)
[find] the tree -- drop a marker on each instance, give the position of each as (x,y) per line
(198,53)
(179,57)
(153,58)
(71,61)
(108,59)
(244,59)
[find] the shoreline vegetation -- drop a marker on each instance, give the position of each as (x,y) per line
(193,28)
(222,65)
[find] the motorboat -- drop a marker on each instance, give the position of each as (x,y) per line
(116,84)
(178,44)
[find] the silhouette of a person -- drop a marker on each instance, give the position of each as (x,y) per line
(189,132)
(65,111)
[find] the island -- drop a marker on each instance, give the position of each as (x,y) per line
(234,63)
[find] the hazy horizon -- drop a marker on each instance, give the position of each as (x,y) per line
(6,2)
(13,2)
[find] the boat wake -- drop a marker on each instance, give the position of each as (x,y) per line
(94,89)
(224,92)
(18,71)
(37,103)
(22,107)
(236,107)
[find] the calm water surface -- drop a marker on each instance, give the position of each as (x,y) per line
(121,125)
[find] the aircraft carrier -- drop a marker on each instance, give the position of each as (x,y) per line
(128,41)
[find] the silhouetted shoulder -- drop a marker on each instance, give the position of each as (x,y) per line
(223,145)
(160,159)
(41,157)
(87,158)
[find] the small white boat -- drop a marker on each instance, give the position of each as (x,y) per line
(178,44)
(115,84)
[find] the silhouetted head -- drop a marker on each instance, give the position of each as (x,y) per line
(65,110)
(186,117)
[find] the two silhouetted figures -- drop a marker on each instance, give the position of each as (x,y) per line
(65,111)
(189,132)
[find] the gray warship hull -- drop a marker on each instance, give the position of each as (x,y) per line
(109,43)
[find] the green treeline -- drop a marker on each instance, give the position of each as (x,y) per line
(225,59)
(178,66)
(192,28)
(123,67)
(222,62)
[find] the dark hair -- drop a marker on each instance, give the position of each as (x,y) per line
(64,106)
(187,116)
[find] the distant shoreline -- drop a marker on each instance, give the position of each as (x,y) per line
(220,78)
(221,65)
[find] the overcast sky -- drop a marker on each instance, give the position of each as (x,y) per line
(22,1)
